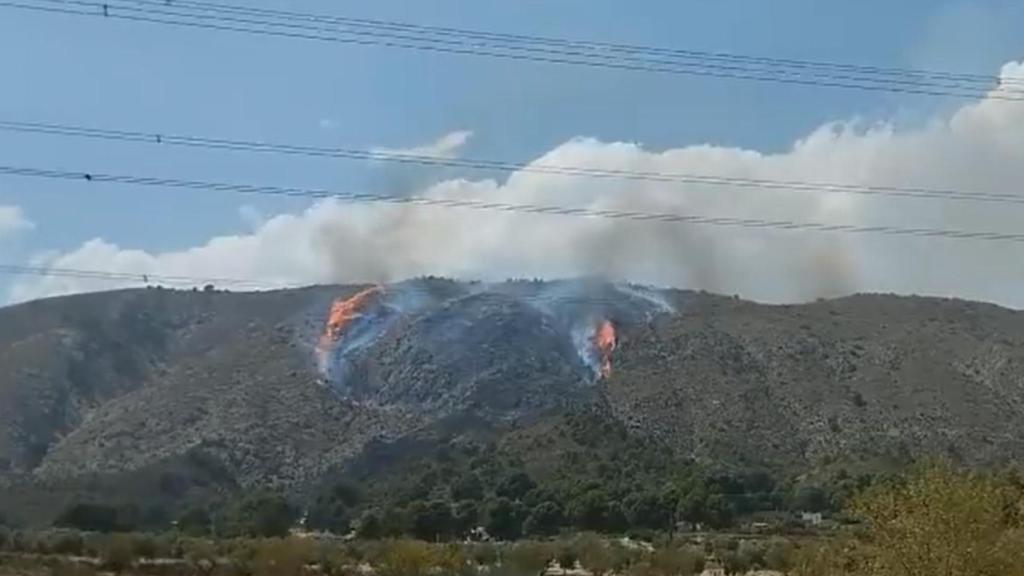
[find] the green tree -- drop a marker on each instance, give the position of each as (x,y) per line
(467,516)
(370,526)
(92,518)
(811,499)
(395,522)
(333,511)
(432,521)
(544,520)
(939,520)
(646,510)
(195,521)
(262,514)
(515,487)
(591,510)
(468,487)
(504,520)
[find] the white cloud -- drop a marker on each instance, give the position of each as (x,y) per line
(448,146)
(251,215)
(980,147)
(13,221)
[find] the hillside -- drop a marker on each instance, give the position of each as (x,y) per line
(125,390)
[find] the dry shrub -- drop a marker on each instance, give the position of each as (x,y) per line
(406,558)
(284,557)
(529,557)
(939,520)
(118,553)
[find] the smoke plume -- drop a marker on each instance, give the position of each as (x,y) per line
(979,147)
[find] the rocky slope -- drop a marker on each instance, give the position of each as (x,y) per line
(115,384)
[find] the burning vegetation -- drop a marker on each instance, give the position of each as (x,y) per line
(345,311)
(604,342)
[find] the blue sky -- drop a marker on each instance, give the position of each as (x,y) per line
(111,74)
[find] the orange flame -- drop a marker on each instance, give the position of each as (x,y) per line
(605,342)
(344,311)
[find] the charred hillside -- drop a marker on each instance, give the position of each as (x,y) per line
(286,388)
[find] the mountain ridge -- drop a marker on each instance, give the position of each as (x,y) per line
(114,384)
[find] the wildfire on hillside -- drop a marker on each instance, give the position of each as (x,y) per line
(345,311)
(605,342)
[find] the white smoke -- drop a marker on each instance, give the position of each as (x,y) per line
(13,221)
(448,146)
(980,147)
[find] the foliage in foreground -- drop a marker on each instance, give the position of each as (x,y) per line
(935,521)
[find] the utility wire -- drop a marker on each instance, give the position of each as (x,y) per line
(652,217)
(405,287)
(251,25)
(603,48)
(126,276)
(65,130)
(589,44)
(401,31)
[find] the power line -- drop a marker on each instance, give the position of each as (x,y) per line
(542,45)
(221,22)
(140,277)
(408,287)
(988,80)
(589,44)
(650,217)
(504,166)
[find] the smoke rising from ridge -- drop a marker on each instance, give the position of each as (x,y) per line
(980,147)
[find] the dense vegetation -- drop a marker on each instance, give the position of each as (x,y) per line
(935,520)
(584,473)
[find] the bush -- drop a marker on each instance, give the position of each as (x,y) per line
(940,520)
(67,544)
(201,556)
(529,557)
(567,557)
(544,520)
(241,556)
(829,558)
(451,561)
(779,556)
(67,568)
(118,553)
(406,558)
(752,553)
(19,542)
(676,561)
(595,554)
(195,522)
(484,554)
(96,518)
(284,557)
(735,563)
(334,560)
(267,515)
(144,546)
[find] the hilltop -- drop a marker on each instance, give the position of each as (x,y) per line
(174,395)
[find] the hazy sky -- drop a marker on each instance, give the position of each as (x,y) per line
(135,76)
